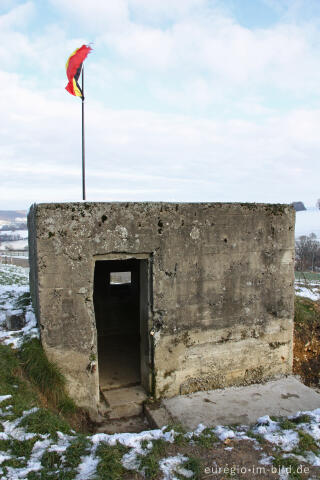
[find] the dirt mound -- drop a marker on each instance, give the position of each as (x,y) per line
(306,350)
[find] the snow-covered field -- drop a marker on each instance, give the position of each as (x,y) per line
(308,293)
(283,437)
(14,244)
(14,281)
(22,233)
(308,288)
(308,221)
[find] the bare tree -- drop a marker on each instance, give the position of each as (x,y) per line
(307,252)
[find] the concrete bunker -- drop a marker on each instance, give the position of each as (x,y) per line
(171,297)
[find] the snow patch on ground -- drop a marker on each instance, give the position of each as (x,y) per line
(87,467)
(12,430)
(308,292)
(172,465)
(223,433)
(4,397)
(9,295)
(266,460)
(270,430)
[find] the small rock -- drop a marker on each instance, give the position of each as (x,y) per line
(15,321)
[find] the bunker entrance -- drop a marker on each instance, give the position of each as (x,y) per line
(121,304)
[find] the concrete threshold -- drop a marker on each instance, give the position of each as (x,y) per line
(237,405)
(138,423)
(124,402)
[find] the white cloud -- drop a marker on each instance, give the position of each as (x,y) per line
(219,55)
(99,16)
(146,47)
(203,41)
(157,11)
(18,16)
(95,15)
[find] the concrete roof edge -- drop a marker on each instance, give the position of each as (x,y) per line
(78,204)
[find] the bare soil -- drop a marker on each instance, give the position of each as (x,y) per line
(306,350)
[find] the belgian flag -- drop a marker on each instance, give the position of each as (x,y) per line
(73,69)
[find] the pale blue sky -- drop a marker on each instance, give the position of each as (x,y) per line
(186,100)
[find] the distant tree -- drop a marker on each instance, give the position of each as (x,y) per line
(307,252)
(10,237)
(298,206)
(318,203)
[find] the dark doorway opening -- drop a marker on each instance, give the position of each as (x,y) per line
(120,299)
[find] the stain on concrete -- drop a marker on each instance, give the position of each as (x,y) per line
(285,396)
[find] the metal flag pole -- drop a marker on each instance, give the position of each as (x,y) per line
(83,149)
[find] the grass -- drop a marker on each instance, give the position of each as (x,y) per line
(206,439)
(149,463)
(180,431)
(78,448)
(194,465)
(45,375)
(12,383)
(306,314)
(291,423)
(43,421)
(51,461)
(22,448)
(8,364)
(260,439)
(110,466)
(46,383)
(13,462)
(66,462)
(286,424)
(307,276)
(23,301)
(290,464)
(13,275)
(304,418)
(46,474)
(307,443)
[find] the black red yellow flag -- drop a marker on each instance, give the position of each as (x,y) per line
(73,68)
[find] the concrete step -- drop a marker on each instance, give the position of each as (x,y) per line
(158,417)
(123,425)
(125,402)
(242,405)
(103,408)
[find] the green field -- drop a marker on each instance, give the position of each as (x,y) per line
(307,276)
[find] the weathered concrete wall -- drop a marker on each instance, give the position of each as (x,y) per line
(222,278)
